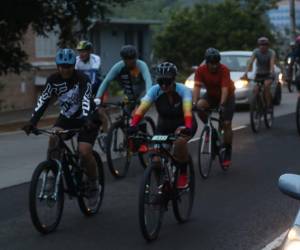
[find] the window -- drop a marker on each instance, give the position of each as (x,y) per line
(46,46)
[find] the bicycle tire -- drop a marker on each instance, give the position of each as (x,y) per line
(180,216)
(85,209)
(117,173)
(34,211)
(255,114)
(143,156)
(205,140)
(144,199)
(269,117)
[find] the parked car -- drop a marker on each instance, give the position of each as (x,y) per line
(237,62)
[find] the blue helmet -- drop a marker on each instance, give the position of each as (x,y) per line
(65,56)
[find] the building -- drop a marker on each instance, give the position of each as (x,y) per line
(21,91)
(280,17)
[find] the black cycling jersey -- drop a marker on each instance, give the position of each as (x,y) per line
(74,96)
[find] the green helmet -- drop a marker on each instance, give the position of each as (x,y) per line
(84,45)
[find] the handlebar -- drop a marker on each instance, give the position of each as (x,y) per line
(38,131)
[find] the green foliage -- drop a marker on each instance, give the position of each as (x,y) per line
(230,25)
(44,16)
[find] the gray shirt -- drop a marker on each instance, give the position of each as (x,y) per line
(263,61)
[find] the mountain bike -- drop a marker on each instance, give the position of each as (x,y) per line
(210,144)
(259,109)
(119,147)
(159,187)
(52,178)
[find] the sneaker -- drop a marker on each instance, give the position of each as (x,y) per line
(182,181)
(226,161)
(93,192)
(143,148)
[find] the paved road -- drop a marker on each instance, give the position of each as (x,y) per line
(20,154)
(238,210)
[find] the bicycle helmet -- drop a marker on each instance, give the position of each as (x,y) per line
(65,56)
(84,45)
(212,55)
(128,52)
(166,70)
(263,41)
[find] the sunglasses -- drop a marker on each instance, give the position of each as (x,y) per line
(165,81)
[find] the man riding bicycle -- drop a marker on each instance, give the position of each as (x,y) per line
(265,61)
(215,77)
(173,102)
(131,73)
(295,56)
(73,91)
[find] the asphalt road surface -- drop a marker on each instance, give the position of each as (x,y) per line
(240,209)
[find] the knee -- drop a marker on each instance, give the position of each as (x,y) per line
(202,104)
(227,125)
(85,151)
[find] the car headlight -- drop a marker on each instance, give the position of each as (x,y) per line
(190,83)
(239,84)
(293,239)
(289,60)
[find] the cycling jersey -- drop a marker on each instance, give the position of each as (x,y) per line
(74,96)
(131,81)
(179,112)
(263,61)
(214,82)
(90,68)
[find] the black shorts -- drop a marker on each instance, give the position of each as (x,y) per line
(229,106)
(169,126)
(84,135)
(263,77)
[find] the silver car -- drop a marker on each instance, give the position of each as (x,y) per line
(237,62)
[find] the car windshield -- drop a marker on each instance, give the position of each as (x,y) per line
(235,62)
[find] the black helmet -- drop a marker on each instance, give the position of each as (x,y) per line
(166,70)
(84,45)
(212,55)
(263,41)
(128,52)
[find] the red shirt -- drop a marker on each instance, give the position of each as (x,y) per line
(214,82)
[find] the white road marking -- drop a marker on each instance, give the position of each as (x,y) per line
(276,243)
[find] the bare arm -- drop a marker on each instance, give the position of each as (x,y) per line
(224,95)
(250,64)
(196,91)
(272,63)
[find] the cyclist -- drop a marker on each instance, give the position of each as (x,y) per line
(215,77)
(296,58)
(73,91)
(88,63)
(265,61)
(131,73)
(173,102)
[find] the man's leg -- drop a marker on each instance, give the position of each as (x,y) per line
(202,104)
(267,93)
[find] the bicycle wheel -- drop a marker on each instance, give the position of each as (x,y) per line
(46,199)
(151,202)
(255,114)
(298,115)
(269,117)
(118,153)
(205,155)
(150,129)
(184,198)
(83,201)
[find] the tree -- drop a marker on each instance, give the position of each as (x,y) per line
(230,25)
(72,17)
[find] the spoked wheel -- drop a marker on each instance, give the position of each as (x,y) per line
(150,129)
(91,207)
(151,202)
(255,114)
(46,197)
(298,115)
(118,153)
(268,117)
(206,154)
(184,197)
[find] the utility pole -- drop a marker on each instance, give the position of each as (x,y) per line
(292,20)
